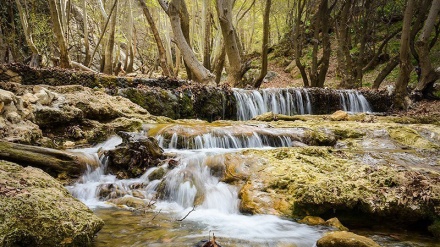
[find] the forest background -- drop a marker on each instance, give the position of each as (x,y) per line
(320,43)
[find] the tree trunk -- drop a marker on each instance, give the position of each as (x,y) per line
(59,33)
(299,40)
(386,71)
(265,45)
(400,97)
(206,25)
(108,61)
(201,73)
(236,68)
(184,23)
(161,49)
(50,160)
(35,58)
(345,64)
(86,34)
(428,75)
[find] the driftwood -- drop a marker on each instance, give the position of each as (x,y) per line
(50,160)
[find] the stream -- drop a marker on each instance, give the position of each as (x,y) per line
(190,203)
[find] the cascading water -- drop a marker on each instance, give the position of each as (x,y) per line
(353,101)
(193,184)
(287,101)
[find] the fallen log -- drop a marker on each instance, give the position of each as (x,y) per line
(52,161)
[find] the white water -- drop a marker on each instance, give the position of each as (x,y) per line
(287,101)
(227,137)
(352,101)
(191,182)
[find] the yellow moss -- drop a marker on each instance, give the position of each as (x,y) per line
(410,137)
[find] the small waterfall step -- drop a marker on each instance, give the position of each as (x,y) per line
(227,137)
(297,101)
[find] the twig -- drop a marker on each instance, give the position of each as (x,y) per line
(156,214)
(194,209)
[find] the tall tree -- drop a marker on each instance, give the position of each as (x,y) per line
(173,9)
(265,46)
(161,49)
(59,33)
(86,34)
(237,67)
(35,57)
(428,74)
(108,60)
(401,93)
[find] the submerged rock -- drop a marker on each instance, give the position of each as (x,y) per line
(36,210)
(345,239)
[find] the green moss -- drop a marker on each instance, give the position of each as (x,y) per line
(434,229)
(410,137)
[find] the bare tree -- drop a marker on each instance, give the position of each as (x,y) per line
(173,9)
(59,33)
(35,58)
(161,49)
(108,59)
(400,97)
(265,47)
(428,74)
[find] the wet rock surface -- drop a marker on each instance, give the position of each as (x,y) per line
(134,156)
(345,239)
(36,210)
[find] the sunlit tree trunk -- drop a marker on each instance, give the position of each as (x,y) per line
(265,46)
(161,49)
(236,65)
(86,34)
(206,26)
(108,61)
(201,73)
(59,33)
(401,93)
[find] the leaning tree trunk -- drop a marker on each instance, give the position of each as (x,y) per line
(35,58)
(401,93)
(59,33)
(161,49)
(265,47)
(201,73)
(236,66)
(428,74)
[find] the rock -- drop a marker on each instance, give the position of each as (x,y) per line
(157,174)
(339,116)
(130,201)
(312,220)
(6,97)
(334,222)
(13,117)
(434,229)
(31,98)
(38,211)
(44,97)
(135,155)
(345,239)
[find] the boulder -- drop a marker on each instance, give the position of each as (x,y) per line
(345,239)
(38,211)
(134,156)
(312,220)
(339,116)
(335,223)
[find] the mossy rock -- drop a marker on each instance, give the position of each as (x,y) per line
(411,138)
(345,239)
(38,211)
(434,229)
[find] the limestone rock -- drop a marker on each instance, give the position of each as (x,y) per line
(334,222)
(345,239)
(312,220)
(38,211)
(339,116)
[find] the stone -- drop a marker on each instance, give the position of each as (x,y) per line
(31,98)
(312,220)
(38,211)
(339,116)
(157,174)
(345,239)
(6,97)
(334,222)
(43,97)
(13,117)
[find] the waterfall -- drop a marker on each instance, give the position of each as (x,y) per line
(287,101)
(194,183)
(228,137)
(353,101)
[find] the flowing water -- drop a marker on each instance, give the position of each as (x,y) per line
(291,101)
(191,185)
